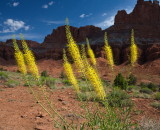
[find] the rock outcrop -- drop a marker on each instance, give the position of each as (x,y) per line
(144,19)
(57,39)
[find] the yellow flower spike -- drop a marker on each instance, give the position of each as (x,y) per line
(83,55)
(69,72)
(134,49)
(24,44)
(95,80)
(108,51)
(19,57)
(73,49)
(30,59)
(91,53)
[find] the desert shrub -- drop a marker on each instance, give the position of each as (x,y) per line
(44,74)
(141,95)
(152,86)
(50,82)
(131,87)
(156,105)
(3,76)
(132,79)
(157,96)
(87,96)
(111,119)
(66,82)
(142,85)
(120,82)
(146,90)
(12,83)
(119,98)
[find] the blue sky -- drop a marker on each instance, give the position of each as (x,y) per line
(37,18)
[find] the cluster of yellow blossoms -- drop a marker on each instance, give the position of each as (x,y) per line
(19,58)
(69,72)
(108,51)
(134,49)
(83,65)
(91,53)
(27,57)
(73,49)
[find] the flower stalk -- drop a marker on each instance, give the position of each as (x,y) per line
(134,50)
(108,51)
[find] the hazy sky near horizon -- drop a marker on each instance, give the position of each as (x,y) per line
(37,18)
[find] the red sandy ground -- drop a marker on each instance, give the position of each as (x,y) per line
(19,111)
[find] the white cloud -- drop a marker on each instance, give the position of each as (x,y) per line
(51,3)
(47,5)
(85,15)
(106,23)
(104,14)
(53,22)
(82,16)
(11,25)
(15,4)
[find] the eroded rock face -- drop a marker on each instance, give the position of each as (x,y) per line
(145,19)
(57,39)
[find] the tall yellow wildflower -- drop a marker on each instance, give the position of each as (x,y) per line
(19,57)
(30,59)
(69,72)
(108,51)
(92,75)
(91,53)
(134,49)
(95,80)
(73,48)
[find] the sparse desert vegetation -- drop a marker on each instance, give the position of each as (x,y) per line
(89,101)
(80,78)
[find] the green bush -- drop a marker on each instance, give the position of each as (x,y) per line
(131,87)
(156,105)
(157,96)
(50,82)
(66,82)
(120,82)
(119,98)
(12,83)
(3,76)
(87,96)
(142,85)
(153,87)
(142,95)
(132,79)
(44,74)
(146,90)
